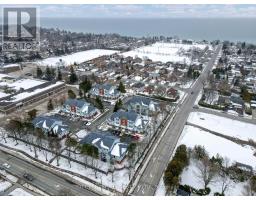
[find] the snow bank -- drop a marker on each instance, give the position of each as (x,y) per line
(19,192)
(4,185)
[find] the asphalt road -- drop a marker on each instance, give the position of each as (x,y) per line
(150,178)
(45,180)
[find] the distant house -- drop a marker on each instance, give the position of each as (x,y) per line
(149,89)
(172,93)
(106,91)
(237,103)
(131,122)
(109,146)
(51,126)
(141,105)
(223,101)
(79,108)
(138,87)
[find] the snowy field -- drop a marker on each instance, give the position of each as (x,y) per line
(78,57)
(225,126)
(189,177)
(214,145)
(164,52)
(19,192)
(192,136)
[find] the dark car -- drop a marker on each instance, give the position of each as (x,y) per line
(28,176)
(192,92)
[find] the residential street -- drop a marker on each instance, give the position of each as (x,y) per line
(151,176)
(45,180)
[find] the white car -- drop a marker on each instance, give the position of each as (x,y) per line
(88,123)
(6,165)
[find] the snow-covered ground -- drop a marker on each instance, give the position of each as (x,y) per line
(189,177)
(81,134)
(8,176)
(214,145)
(4,185)
(78,57)
(192,136)
(21,146)
(164,52)
(121,178)
(234,128)
(19,192)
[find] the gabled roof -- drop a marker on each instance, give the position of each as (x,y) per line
(105,140)
(131,115)
(106,86)
(75,102)
(139,99)
(50,123)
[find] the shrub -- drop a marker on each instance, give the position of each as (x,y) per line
(218,194)
(175,168)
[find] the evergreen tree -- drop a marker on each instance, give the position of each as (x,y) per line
(73,76)
(53,74)
(190,72)
(48,73)
(80,93)
(85,86)
(71,94)
(39,72)
(59,77)
(99,104)
(49,105)
(118,105)
(121,87)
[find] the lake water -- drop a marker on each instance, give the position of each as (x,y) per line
(233,29)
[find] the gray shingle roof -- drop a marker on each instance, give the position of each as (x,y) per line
(75,102)
(139,99)
(132,116)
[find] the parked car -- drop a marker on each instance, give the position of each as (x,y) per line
(28,176)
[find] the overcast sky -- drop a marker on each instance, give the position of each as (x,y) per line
(147,11)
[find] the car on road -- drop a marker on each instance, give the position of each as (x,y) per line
(196,107)
(2,168)
(192,92)
(6,165)
(28,74)
(28,176)
(88,123)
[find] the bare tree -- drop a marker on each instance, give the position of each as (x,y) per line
(55,146)
(70,143)
(45,144)
(250,187)
(3,134)
(224,176)
(206,171)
